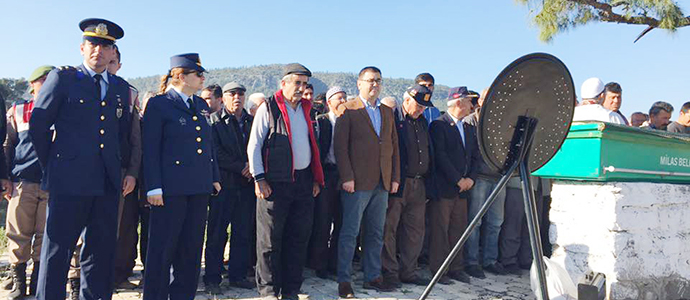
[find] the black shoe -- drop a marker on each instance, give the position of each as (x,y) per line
(379,285)
(513,269)
(475,271)
(496,268)
(33,283)
(213,289)
(243,284)
(74,286)
(459,276)
(445,280)
(125,285)
(323,274)
(345,290)
(392,281)
(289,297)
(416,280)
(18,273)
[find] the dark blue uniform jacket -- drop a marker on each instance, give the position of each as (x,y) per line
(83,156)
(178,148)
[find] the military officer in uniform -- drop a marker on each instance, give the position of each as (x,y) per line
(180,174)
(81,162)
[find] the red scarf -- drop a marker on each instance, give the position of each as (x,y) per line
(316,168)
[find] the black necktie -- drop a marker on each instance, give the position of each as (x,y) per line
(191,104)
(97,78)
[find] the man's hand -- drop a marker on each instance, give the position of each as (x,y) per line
(262,189)
(155,200)
(316,189)
(128,184)
(7,188)
(216,188)
(349,186)
(470,183)
(245,171)
(394,187)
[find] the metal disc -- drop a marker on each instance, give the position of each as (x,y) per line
(536,85)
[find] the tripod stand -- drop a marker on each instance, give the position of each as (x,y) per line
(517,159)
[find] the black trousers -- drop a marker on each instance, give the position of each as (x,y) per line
(323,245)
(134,212)
(283,226)
(232,206)
(176,237)
(68,217)
(513,242)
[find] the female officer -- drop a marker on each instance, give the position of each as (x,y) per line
(180,174)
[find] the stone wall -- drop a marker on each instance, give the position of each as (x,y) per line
(638,234)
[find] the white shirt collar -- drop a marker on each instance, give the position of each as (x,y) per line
(183,95)
(332,117)
(93,73)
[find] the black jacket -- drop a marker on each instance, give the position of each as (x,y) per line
(401,126)
(324,135)
(231,146)
(453,161)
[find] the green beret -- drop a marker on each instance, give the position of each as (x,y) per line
(40,72)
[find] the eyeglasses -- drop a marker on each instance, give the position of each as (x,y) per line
(233,93)
(378,81)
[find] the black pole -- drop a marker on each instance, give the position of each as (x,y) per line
(533,227)
(458,246)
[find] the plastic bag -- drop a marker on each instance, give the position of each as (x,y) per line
(558,283)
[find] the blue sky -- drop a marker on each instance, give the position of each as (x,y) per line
(459,42)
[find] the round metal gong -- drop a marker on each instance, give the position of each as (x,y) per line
(538,86)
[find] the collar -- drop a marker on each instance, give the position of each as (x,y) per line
(93,73)
(179,92)
(456,121)
(332,117)
(377,104)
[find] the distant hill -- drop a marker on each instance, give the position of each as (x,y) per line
(266,79)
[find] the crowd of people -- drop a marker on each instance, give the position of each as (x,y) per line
(303,180)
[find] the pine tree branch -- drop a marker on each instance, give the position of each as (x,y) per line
(606,14)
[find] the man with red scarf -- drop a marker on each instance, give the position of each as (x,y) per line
(284,161)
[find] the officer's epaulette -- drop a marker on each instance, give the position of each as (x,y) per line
(66,68)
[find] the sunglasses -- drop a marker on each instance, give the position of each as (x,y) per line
(198,73)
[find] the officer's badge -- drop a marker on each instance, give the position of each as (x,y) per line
(206,115)
(118,112)
(183,121)
(101,29)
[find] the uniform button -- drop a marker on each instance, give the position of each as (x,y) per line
(102,103)
(195,118)
(102,131)
(102,146)
(102,117)
(199,151)
(81,101)
(177,162)
(198,128)
(198,139)
(58,155)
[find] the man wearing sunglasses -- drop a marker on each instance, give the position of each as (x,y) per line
(235,204)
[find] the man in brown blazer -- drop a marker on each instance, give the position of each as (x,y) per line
(366,152)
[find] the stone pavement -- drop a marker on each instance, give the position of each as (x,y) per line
(314,288)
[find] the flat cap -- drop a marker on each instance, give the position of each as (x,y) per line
(233,86)
(295,68)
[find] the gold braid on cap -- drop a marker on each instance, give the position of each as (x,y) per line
(101,31)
